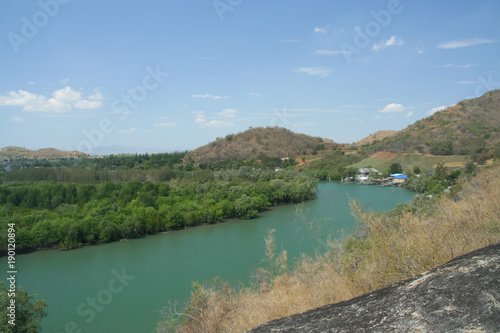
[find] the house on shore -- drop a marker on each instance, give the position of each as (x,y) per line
(399,178)
(364,174)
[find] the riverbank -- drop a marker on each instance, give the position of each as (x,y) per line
(165,265)
(71,215)
(391,247)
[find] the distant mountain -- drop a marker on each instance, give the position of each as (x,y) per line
(258,143)
(380,135)
(48,153)
(470,127)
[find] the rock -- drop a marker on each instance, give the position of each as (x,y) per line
(457,197)
(462,295)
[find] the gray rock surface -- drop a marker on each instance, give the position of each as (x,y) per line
(462,295)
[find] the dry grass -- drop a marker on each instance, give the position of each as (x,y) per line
(392,247)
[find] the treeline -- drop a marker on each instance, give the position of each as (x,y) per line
(441,180)
(69,215)
(111,162)
(155,168)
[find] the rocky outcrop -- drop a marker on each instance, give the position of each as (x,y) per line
(460,296)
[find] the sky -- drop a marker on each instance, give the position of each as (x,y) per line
(161,76)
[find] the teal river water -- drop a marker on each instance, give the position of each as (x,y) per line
(130,281)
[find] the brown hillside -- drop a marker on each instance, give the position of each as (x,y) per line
(258,143)
(380,135)
(48,153)
(470,127)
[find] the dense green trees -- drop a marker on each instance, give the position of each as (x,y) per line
(68,215)
(440,180)
(28,312)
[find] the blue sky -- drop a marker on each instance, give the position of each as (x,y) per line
(172,75)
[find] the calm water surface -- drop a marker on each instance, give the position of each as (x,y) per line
(120,287)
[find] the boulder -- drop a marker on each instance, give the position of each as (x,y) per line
(462,295)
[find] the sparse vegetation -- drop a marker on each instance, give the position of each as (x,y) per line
(467,127)
(258,143)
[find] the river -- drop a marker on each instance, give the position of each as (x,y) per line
(121,286)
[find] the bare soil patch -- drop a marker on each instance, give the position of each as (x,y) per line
(384,155)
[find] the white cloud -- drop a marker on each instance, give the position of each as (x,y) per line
(460,66)
(64,81)
(318,30)
(393,41)
(393,107)
(167,124)
(20,97)
(85,104)
(127,131)
(17,119)
(329,52)
(210,96)
(67,95)
(289,40)
(253,94)
(218,123)
(31,83)
(315,71)
(199,117)
(61,101)
(51,104)
(420,51)
(454,44)
(437,109)
(409,114)
(227,113)
(96,97)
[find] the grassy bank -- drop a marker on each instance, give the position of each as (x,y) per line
(387,248)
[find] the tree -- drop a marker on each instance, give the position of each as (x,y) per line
(246,207)
(28,315)
(395,168)
(416,170)
(350,172)
(440,172)
(470,169)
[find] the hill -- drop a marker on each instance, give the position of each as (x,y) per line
(259,143)
(13,152)
(380,135)
(470,127)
